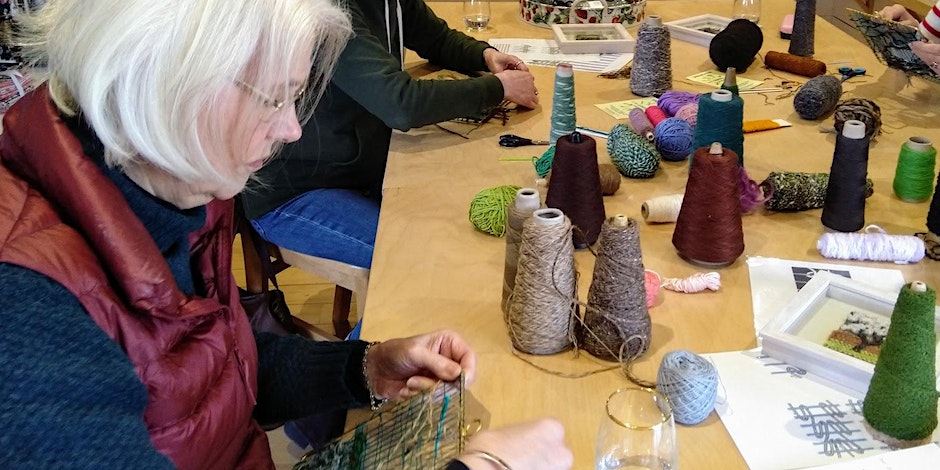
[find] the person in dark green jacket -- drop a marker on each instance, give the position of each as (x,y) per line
(321,195)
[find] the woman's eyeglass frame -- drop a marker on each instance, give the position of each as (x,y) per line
(273,105)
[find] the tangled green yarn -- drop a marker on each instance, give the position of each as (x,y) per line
(543,164)
(489,207)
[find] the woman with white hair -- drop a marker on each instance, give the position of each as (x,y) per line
(123,344)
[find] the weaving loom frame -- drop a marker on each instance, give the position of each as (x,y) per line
(890,40)
(422,443)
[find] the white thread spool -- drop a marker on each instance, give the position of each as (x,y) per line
(662,209)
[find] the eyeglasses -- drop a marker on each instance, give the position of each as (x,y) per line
(273,105)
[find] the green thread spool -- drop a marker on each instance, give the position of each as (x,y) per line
(914,176)
(488,209)
(563,112)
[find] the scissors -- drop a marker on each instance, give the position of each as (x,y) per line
(510,140)
(849,72)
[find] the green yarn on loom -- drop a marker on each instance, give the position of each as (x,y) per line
(488,209)
(902,398)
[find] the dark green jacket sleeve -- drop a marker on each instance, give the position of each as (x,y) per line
(373,77)
(298,377)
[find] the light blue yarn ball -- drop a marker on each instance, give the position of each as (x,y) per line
(690,383)
(673,137)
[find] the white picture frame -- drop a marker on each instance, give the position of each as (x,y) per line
(697,29)
(797,333)
(593,38)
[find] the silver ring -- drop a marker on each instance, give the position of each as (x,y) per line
(934,65)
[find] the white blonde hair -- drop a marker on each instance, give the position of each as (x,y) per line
(140,72)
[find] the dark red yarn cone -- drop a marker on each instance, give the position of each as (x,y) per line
(575,186)
(709,230)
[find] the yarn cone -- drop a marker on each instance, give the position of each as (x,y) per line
(803,38)
(576,186)
(543,300)
(652,59)
(709,231)
(900,407)
(563,110)
(616,321)
(526,202)
(844,207)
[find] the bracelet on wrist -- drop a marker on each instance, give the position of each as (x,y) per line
(500,463)
(375,402)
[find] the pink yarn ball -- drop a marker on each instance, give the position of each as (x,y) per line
(688,113)
(652,283)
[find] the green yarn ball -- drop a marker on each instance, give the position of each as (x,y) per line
(902,398)
(543,164)
(632,154)
(488,209)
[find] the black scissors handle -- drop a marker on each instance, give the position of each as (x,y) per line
(510,140)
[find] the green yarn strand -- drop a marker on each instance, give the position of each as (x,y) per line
(488,209)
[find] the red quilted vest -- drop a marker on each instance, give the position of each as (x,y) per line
(197,356)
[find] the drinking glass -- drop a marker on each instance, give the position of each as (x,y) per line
(476,14)
(637,432)
(747,9)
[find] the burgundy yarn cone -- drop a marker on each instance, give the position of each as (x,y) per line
(709,230)
(576,186)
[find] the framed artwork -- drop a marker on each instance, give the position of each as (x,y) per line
(698,29)
(593,38)
(833,328)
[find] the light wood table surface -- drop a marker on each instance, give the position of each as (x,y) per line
(432,269)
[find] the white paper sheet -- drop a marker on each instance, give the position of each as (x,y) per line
(545,53)
(781,417)
(775,281)
(925,457)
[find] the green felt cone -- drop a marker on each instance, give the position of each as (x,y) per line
(901,402)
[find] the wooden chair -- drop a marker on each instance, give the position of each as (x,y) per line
(349,279)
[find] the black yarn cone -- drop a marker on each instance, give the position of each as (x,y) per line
(575,186)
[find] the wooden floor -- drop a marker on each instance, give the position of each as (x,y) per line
(309,297)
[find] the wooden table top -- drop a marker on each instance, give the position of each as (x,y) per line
(432,269)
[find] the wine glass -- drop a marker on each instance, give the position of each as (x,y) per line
(476,14)
(747,9)
(637,432)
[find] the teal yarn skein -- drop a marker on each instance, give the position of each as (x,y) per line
(914,176)
(720,118)
(563,111)
(489,209)
(633,155)
(543,164)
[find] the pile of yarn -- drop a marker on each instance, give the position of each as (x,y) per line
(488,209)
(669,124)
(736,45)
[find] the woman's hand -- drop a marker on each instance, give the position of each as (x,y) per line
(528,446)
(401,368)
(497,61)
(898,13)
(929,53)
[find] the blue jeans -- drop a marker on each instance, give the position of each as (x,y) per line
(337,224)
